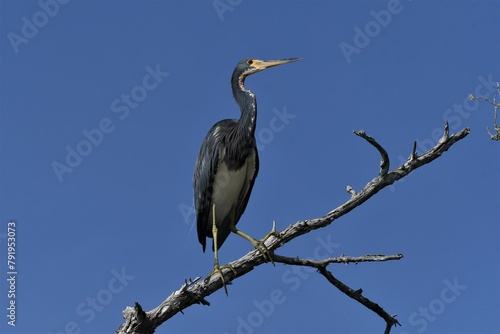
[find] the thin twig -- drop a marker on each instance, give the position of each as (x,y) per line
(354,294)
(494,136)
(357,295)
(384,162)
(414,154)
(296,261)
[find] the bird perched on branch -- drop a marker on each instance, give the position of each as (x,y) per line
(227,165)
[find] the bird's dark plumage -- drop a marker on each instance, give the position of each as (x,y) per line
(218,144)
(228,161)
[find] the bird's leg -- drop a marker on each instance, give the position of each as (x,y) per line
(217,267)
(258,244)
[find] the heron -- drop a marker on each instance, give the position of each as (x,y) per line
(227,166)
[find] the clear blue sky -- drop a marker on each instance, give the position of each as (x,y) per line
(98,232)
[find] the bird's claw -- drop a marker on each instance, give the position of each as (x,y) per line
(218,269)
(264,250)
(262,247)
(273,233)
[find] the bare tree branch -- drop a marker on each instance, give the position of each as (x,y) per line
(354,294)
(384,163)
(194,292)
(496,135)
(390,320)
(296,261)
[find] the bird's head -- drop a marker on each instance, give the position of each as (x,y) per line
(250,66)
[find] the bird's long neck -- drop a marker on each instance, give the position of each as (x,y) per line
(248,106)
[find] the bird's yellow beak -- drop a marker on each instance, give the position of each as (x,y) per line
(263,64)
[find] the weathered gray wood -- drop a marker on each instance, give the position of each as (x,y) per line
(192,292)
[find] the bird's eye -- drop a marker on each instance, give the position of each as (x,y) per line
(249,61)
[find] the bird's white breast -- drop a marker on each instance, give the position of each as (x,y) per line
(228,185)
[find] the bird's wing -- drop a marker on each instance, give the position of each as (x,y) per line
(203,180)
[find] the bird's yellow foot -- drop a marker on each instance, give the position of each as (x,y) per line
(218,270)
(273,232)
(259,244)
